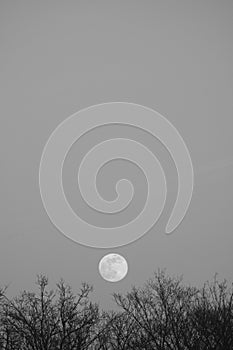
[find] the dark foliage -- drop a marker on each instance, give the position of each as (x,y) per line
(164,314)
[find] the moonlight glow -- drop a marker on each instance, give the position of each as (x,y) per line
(113,267)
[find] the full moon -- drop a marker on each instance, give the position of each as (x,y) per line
(113,267)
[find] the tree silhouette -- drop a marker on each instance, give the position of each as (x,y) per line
(212,315)
(164,314)
(161,310)
(49,320)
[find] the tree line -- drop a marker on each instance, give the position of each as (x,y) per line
(163,314)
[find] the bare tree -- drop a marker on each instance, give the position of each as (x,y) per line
(212,315)
(51,320)
(161,309)
(164,314)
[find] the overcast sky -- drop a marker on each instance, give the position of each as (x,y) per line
(58,57)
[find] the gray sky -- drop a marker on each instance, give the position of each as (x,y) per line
(58,57)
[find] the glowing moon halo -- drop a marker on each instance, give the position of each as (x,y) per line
(113,267)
